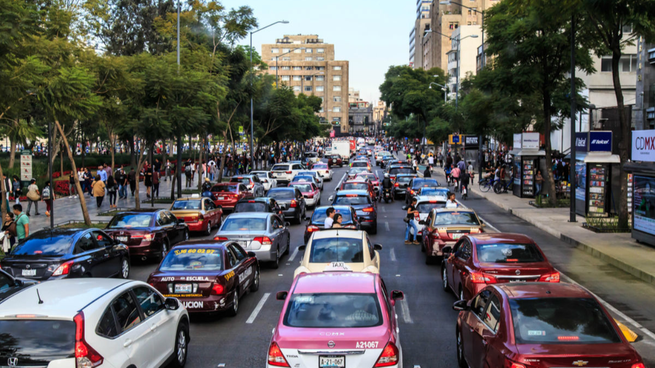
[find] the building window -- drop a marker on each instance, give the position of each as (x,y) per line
(320,78)
(336,121)
(627,63)
(285,78)
(309,51)
(309,68)
(320,88)
(286,68)
(308,78)
(284,51)
(320,68)
(273,68)
(336,68)
(286,58)
(454,25)
(308,88)
(296,88)
(320,59)
(336,88)
(275,51)
(297,68)
(297,51)
(308,58)
(336,98)
(336,78)
(273,58)
(320,51)
(627,29)
(336,109)
(297,78)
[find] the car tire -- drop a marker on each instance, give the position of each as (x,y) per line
(374,229)
(444,278)
(209,228)
(232,312)
(276,263)
(461,362)
(255,281)
(125,268)
(181,346)
(286,251)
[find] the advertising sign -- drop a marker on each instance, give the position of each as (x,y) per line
(644,204)
(517,141)
(26,165)
(581,142)
(600,141)
(643,145)
(241,130)
(471,141)
(530,141)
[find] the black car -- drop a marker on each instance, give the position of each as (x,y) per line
(401,183)
(317,222)
(260,204)
(63,253)
(365,207)
(291,201)
(394,170)
(417,183)
(10,285)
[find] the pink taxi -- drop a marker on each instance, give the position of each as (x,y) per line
(337,320)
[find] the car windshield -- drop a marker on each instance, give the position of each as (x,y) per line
(349,250)
(130,220)
(427,191)
(42,244)
(357,170)
(304,188)
(191,204)
(244,224)
(224,188)
(360,164)
(456,218)
(352,200)
(250,207)
(280,194)
(561,321)
(319,215)
(508,253)
(333,310)
(404,179)
(193,259)
(36,339)
(355,186)
(307,173)
(425,207)
(401,170)
(280,168)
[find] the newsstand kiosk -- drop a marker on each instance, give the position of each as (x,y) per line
(642,170)
(526,160)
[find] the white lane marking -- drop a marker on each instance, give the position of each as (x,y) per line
(386,226)
(384,209)
(293,255)
(258,308)
(393,255)
(405,308)
(280,275)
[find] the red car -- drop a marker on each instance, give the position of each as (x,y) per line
(200,214)
(310,191)
(539,325)
(479,260)
(334,160)
(359,184)
(228,194)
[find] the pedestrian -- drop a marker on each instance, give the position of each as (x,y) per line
(451,202)
(71,184)
(47,195)
(539,180)
(101,172)
(9,229)
(409,219)
(33,197)
(168,170)
(22,223)
(155,184)
(188,172)
(98,188)
(431,160)
(464,184)
(427,173)
(16,186)
(148,179)
(455,173)
(112,187)
(329,220)
(131,178)
(121,180)
(87,181)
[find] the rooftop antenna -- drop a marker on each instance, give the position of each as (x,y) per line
(39,296)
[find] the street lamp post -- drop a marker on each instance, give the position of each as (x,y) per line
(252,108)
(449,2)
(178,168)
(445,89)
(277,67)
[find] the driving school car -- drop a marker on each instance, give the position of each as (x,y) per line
(207,276)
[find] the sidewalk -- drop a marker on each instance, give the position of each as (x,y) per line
(619,250)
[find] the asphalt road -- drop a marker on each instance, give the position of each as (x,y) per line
(427,321)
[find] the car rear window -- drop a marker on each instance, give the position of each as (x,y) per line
(192,204)
(456,218)
(195,259)
(333,310)
(250,207)
(425,207)
(304,178)
(319,215)
(130,220)
(359,164)
(37,340)
(355,186)
(401,170)
(424,183)
(351,200)
(280,168)
(508,253)
(349,250)
(304,188)
(224,188)
(281,194)
(240,180)
(561,321)
(427,191)
(404,179)
(320,166)
(44,245)
(244,224)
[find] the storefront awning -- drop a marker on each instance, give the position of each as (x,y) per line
(595,157)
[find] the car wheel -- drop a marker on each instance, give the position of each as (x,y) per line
(235,304)
(255,281)
(461,362)
(209,228)
(164,249)
(181,346)
(276,262)
(125,268)
(444,278)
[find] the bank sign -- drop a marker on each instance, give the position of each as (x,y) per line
(643,145)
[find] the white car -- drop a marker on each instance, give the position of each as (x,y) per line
(323,170)
(266,178)
(74,323)
(284,172)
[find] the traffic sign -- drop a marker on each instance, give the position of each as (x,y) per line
(454,139)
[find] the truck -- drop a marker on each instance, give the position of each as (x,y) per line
(341,148)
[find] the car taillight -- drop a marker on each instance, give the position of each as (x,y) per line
(217,289)
(551,277)
(395,185)
(289,172)
(482,278)
(264,240)
(220,238)
(638,365)
(293,203)
(85,355)
(412,192)
(275,356)
(389,356)
(312,228)
(368,209)
(511,364)
(63,269)
(146,237)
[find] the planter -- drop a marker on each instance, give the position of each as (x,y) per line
(158,200)
(561,203)
(605,230)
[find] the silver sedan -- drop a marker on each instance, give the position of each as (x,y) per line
(265,234)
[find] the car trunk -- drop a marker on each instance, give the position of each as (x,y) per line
(456,232)
(225,197)
(516,272)
(244,238)
(30,267)
(185,283)
(577,355)
(188,216)
(132,236)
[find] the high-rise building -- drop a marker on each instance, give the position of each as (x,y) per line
(417,33)
(467,48)
(308,65)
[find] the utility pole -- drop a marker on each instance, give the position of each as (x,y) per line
(178,169)
(573,92)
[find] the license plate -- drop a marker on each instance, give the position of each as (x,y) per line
(517,280)
(456,236)
(29,272)
(121,238)
(221,198)
(183,288)
(331,361)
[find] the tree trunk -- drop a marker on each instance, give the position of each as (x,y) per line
(142,159)
(223,155)
(173,187)
(83,147)
(550,179)
(203,141)
(61,164)
(625,140)
(12,155)
(78,187)
(130,141)
(112,149)
(3,206)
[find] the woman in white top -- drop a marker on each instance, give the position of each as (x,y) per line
(451,202)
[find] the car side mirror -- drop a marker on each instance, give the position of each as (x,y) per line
(397,295)
(281,295)
(461,305)
(302,247)
(18,282)
(447,250)
(252,254)
(171,304)
(377,246)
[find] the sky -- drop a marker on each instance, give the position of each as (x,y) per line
(372,35)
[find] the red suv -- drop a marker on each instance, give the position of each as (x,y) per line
(334,160)
(228,194)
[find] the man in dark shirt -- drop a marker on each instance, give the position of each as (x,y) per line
(131,178)
(121,179)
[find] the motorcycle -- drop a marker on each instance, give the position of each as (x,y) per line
(386,195)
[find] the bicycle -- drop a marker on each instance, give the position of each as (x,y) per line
(487,183)
(500,187)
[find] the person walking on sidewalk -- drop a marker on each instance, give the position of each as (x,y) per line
(22,223)
(168,170)
(71,184)
(102,173)
(539,180)
(47,195)
(148,179)
(131,178)
(411,214)
(9,228)
(112,187)
(121,180)
(33,197)
(155,184)
(16,186)
(98,188)
(87,181)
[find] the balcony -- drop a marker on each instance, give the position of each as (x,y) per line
(651,56)
(314,40)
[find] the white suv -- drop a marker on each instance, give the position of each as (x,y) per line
(80,323)
(284,172)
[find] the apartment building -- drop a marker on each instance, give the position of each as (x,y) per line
(308,65)
(353,95)
(417,34)
(361,117)
(468,48)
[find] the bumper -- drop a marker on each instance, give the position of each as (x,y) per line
(311,201)
(290,213)
(227,205)
(367,222)
(209,304)
(144,249)
(198,226)
(264,254)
